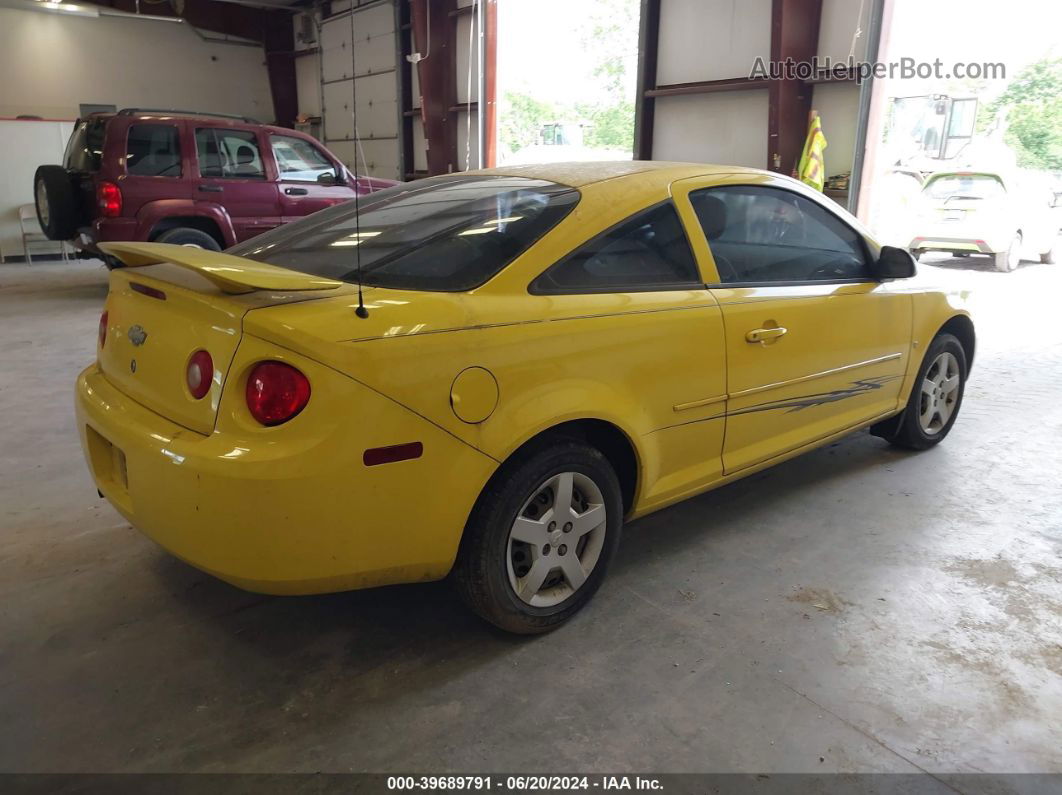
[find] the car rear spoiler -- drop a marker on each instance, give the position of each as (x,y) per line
(229,273)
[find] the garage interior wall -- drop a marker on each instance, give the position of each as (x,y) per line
(56,61)
(24,145)
(699,101)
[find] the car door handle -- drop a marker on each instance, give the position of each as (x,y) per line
(296,191)
(764,334)
(211,188)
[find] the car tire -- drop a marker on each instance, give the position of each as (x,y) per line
(56,202)
(186,236)
(511,548)
(1050,257)
(1007,261)
(930,397)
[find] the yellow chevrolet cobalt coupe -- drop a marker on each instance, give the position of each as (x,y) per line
(537,355)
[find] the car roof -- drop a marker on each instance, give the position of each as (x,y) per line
(586,173)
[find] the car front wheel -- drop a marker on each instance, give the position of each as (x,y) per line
(935,399)
(540,538)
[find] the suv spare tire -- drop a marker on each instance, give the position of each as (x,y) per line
(57,211)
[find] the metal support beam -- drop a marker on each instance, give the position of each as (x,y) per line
(279,41)
(794,34)
(434,37)
(645,102)
(489,101)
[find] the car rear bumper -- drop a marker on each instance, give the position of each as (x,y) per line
(295,517)
(947,240)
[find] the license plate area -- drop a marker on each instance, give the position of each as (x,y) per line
(108,464)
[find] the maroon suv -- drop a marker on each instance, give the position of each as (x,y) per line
(187,178)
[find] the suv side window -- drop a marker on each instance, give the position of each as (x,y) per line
(646,252)
(299,160)
(84,150)
(153,150)
(762,235)
(228,154)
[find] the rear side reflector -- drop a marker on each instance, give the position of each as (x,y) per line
(103,329)
(276,392)
(396,452)
(143,289)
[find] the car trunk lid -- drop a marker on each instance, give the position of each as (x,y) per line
(172,301)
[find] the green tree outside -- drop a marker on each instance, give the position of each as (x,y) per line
(1033,102)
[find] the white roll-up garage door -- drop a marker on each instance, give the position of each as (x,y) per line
(373,44)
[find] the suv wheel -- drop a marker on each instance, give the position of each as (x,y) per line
(186,236)
(540,538)
(57,211)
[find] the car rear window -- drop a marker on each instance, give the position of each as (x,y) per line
(153,150)
(84,150)
(970,186)
(447,233)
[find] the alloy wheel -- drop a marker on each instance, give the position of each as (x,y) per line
(556,540)
(940,392)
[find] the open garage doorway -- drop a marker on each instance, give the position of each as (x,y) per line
(964,152)
(566,91)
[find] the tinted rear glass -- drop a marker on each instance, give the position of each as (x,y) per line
(84,150)
(970,186)
(152,150)
(445,233)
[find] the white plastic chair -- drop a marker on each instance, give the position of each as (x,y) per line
(32,233)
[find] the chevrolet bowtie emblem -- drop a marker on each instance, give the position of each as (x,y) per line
(137,335)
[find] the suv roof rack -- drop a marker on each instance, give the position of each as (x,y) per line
(174,111)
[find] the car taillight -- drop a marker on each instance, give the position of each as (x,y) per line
(103,329)
(109,199)
(276,392)
(199,374)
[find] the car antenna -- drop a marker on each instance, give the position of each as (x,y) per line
(361,311)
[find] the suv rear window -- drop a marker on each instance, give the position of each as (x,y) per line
(446,233)
(968,186)
(153,150)
(84,150)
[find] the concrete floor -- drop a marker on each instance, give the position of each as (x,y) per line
(857,609)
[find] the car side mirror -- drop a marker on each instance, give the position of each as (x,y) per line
(327,179)
(894,263)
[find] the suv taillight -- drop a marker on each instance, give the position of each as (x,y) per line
(109,199)
(276,392)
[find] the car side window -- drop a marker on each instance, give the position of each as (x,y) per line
(647,252)
(759,234)
(228,154)
(153,150)
(299,160)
